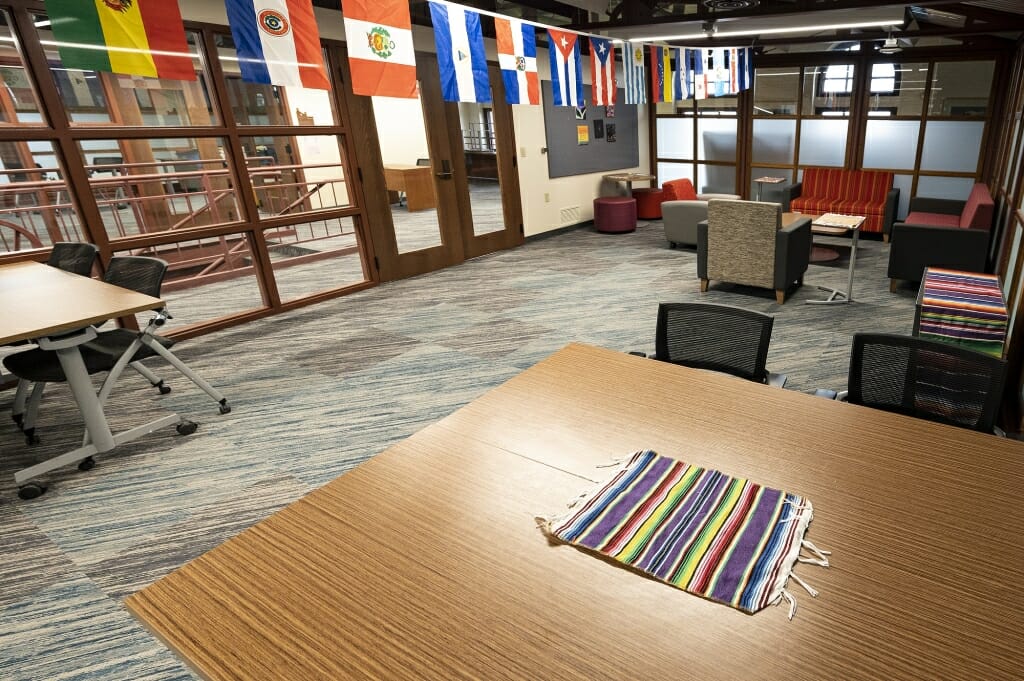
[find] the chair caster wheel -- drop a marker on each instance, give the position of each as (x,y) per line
(30,437)
(86,464)
(225,408)
(18,419)
(164,389)
(187,427)
(30,491)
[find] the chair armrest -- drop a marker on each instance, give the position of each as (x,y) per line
(702,249)
(914,247)
(728,197)
(792,252)
(892,200)
(924,204)
(781,194)
(680,220)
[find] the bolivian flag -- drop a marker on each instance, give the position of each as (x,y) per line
(138,37)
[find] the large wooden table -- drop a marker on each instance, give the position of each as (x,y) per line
(425,562)
(38,302)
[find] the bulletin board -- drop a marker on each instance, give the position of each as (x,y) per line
(595,142)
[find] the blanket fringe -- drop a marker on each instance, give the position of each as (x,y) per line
(792,603)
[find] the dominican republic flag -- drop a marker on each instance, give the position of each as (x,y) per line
(566,68)
(517,58)
(700,82)
(683,74)
(661,74)
(602,71)
(380,51)
(277,42)
(633,72)
(460,53)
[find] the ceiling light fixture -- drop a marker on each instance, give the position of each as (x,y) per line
(891,45)
(772,31)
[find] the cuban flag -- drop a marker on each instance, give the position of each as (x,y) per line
(566,71)
(460,53)
(517,58)
(602,71)
(700,83)
(633,72)
(278,42)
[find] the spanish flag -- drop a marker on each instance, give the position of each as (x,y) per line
(138,37)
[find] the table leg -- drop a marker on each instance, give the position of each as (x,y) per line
(837,297)
(629,188)
(853,261)
(759,185)
(85,395)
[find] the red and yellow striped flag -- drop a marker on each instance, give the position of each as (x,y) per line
(138,37)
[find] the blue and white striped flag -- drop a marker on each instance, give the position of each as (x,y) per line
(461,58)
(633,70)
(682,74)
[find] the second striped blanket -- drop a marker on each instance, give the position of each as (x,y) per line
(724,538)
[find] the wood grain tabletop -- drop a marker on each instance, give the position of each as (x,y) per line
(426,563)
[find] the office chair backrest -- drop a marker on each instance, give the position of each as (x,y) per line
(716,337)
(73,256)
(138,273)
(927,379)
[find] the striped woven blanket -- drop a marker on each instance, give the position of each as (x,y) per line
(965,309)
(727,539)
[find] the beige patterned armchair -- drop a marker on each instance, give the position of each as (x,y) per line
(742,243)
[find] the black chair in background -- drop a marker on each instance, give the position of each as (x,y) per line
(72,256)
(926,379)
(109,351)
(716,337)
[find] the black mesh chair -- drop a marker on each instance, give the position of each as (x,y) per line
(112,350)
(72,256)
(716,337)
(927,379)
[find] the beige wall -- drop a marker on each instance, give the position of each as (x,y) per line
(543,198)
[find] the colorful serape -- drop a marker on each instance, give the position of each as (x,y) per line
(727,539)
(963,308)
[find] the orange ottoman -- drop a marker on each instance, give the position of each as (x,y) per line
(615,214)
(648,203)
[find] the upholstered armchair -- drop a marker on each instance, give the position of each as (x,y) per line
(743,242)
(683,209)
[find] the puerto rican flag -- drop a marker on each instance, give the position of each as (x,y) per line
(461,59)
(380,50)
(602,71)
(566,71)
(277,42)
(517,57)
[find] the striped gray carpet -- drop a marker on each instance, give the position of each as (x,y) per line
(321,389)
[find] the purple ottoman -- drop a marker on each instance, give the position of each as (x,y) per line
(615,214)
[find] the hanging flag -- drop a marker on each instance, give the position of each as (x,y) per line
(277,42)
(380,50)
(633,71)
(734,84)
(746,68)
(136,37)
(700,82)
(602,71)
(517,58)
(566,68)
(460,53)
(661,74)
(683,73)
(720,72)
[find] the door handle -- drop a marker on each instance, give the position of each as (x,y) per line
(446,170)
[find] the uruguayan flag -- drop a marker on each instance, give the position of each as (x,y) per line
(460,54)
(633,70)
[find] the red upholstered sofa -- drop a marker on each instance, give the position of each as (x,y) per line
(941,233)
(851,192)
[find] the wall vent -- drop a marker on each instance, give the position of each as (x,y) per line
(570,215)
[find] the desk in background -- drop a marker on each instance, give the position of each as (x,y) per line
(416,181)
(38,301)
(425,562)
